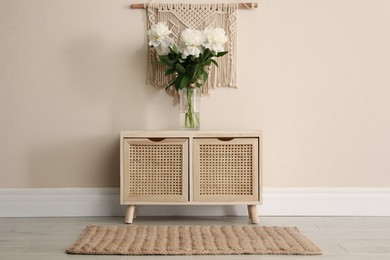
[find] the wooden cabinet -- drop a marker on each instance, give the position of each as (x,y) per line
(190,168)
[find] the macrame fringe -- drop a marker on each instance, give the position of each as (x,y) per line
(178,17)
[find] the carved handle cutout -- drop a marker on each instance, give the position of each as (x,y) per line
(225,139)
(156,139)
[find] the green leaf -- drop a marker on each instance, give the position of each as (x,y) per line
(180,68)
(207,53)
(184,81)
(177,82)
(169,71)
(213,61)
(192,71)
(219,54)
(205,76)
(174,49)
(165,60)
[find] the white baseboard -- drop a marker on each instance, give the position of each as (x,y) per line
(65,202)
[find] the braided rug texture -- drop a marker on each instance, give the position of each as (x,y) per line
(192,240)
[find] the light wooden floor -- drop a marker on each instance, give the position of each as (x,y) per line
(350,238)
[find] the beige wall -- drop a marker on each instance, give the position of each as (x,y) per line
(313,75)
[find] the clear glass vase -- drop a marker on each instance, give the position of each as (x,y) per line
(189,108)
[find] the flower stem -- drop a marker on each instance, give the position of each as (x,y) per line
(189,105)
(192,120)
(190,110)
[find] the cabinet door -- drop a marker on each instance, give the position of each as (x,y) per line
(155,170)
(226,169)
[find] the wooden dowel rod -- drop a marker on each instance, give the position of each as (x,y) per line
(138,6)
(240,6)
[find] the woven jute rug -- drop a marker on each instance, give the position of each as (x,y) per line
(192,240)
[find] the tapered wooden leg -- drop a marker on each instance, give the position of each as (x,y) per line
(252,212)
(129,214)
(135,212)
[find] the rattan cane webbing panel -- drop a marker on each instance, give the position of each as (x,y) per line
(155,170)
(226,169)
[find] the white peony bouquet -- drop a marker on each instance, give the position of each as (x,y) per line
(187,59)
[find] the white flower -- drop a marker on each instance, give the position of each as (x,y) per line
(163,48)
(191,43)
(214,39)
(159,37)
(190,50)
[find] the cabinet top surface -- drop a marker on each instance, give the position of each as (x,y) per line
(199,133)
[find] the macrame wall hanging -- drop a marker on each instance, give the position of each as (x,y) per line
(180,16)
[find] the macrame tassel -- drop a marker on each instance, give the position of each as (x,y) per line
(179,17)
